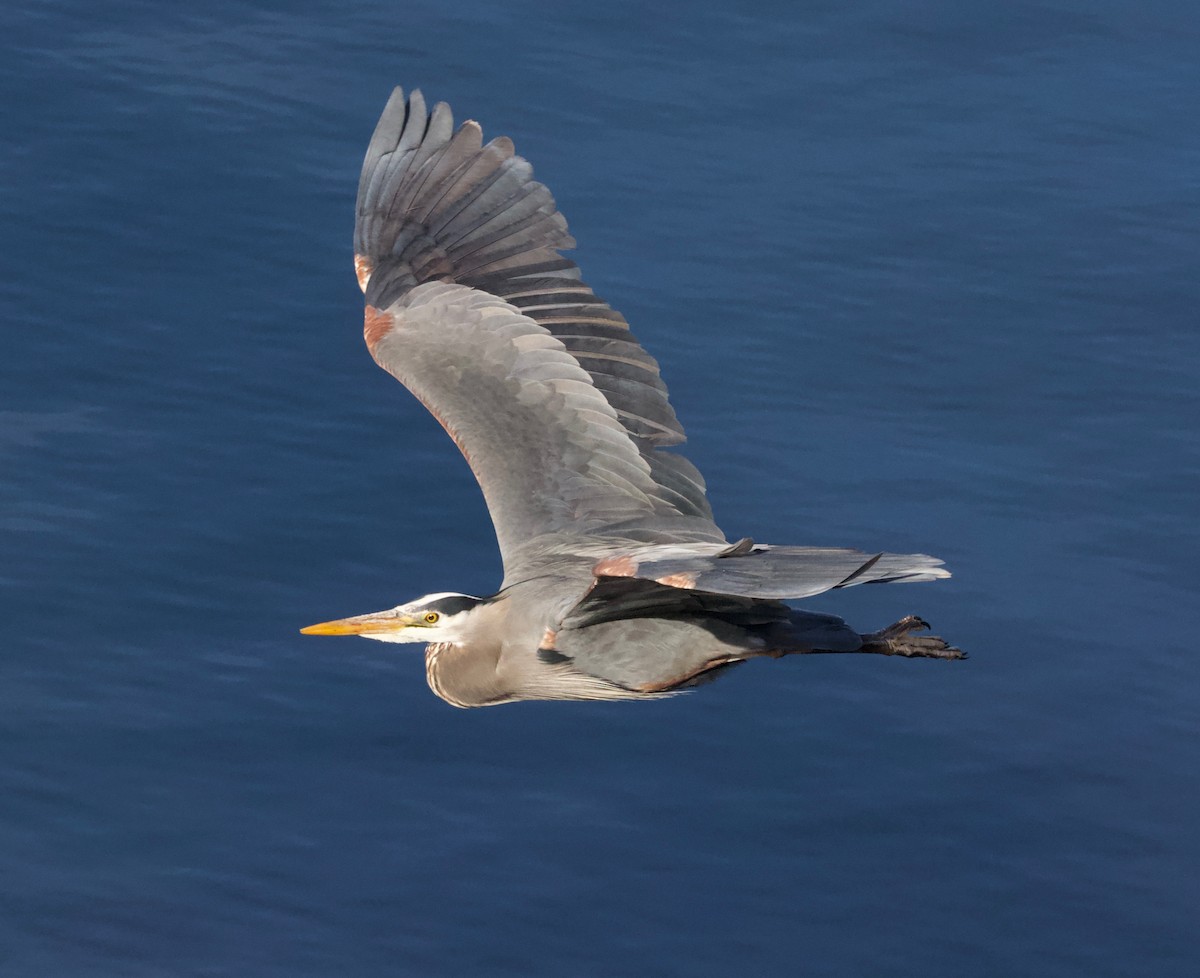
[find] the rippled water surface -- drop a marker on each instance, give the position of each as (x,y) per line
(922,276)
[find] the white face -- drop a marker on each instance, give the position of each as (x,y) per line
(440,617)
(428,618)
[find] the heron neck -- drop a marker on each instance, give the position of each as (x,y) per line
(464,675)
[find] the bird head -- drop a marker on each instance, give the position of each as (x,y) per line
(438,617)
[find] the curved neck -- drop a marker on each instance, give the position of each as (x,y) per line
(463,675)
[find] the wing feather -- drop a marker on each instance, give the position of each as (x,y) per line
(767,572)
(437,205)
(561,413)
(547,448)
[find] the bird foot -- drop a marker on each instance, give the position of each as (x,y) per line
(898,639)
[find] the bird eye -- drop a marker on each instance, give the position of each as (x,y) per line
(431,617)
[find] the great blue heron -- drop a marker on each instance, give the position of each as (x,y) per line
(617,582)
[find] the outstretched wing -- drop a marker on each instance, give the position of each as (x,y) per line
(561,414)
(762,571)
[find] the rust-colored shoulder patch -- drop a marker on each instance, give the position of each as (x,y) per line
(362,270)
(622,566)
(376,326)
(548,639)
(687,581)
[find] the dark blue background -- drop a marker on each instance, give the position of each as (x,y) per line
(922,276)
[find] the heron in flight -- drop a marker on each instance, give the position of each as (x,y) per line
(617,583)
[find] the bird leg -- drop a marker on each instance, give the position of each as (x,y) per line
(897,639)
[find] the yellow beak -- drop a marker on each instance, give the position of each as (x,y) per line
(372,624)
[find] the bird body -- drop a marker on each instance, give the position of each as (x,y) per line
(617,583)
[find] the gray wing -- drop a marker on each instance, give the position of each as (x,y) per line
(561,414)
(763,571)
(545,445)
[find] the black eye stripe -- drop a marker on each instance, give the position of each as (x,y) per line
(451,605)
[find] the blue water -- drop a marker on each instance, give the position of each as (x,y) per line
(922,276)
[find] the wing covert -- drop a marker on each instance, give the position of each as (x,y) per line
(545,445)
